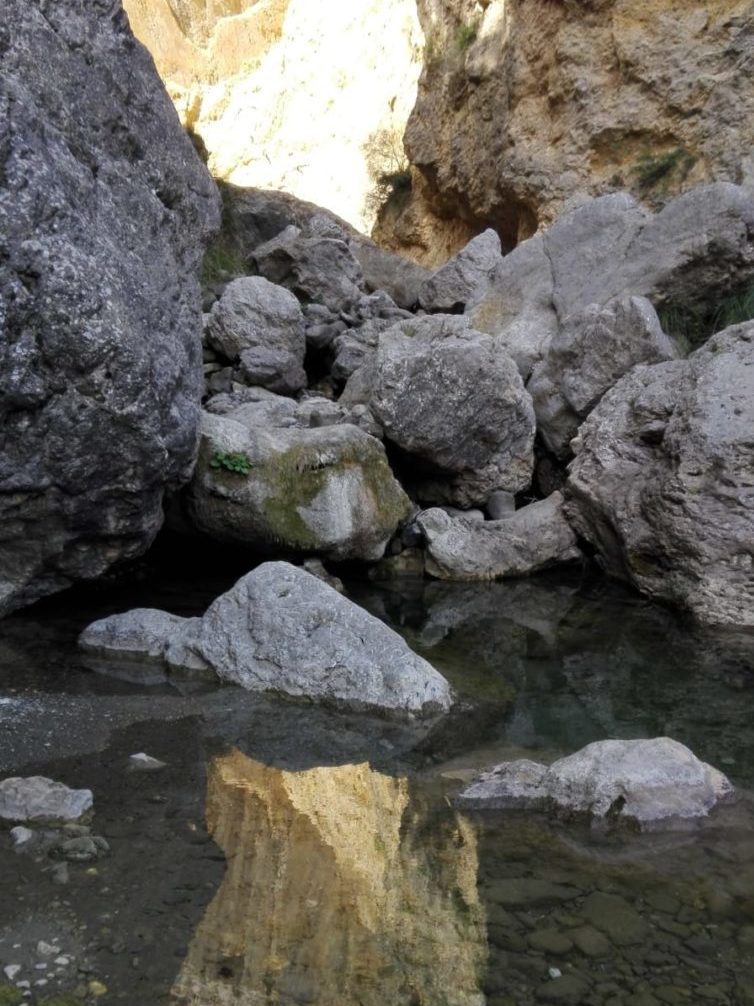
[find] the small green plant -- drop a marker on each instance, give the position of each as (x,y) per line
(651,169)
(222,261)
(231,461)
(692,325)
(467,34)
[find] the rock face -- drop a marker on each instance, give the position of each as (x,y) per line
(350,76)
(661,483)
(453,399)
(533,538)
(42,801)
(260,327)
(280,629)
(465,278)
(526,104)
(326,489)
(591,351)
(655,784)
(104,207)
(696,248)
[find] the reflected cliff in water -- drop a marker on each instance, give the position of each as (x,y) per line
(341,887)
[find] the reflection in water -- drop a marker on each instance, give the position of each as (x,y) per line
(339,889)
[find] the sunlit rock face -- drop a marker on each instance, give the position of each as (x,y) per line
(525,105)
(311,98)
(338,890)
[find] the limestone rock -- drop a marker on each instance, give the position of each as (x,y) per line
(517,308)
(104,209)
(327,490)
(140,635)
(654,783)
(453,399)
(661,482)
(281,629)
(532,538)
(592,350)
(317,269)
(540,103)
(42,800)
(401,278)
(463,280)
(260,327)
(697,247)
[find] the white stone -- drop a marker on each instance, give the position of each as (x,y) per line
(39,799)
(656,783)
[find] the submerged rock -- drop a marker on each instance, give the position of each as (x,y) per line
(661,483)
(42,800)
(104,210)
(532,538)
(326,489)
(280,629)
(655,783)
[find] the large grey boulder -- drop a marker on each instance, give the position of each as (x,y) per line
(465,279)
(259,327)
(453,399)
(401,278)
(42,800)
(591,351)
(662,480)
(533,538)
(655,784)
(318,268)
(698,246)
(517,307)
(326,489)
(280,629)
(104,209)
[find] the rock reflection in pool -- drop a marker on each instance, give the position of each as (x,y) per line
(341,887)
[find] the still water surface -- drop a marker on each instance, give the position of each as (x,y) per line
(294,855)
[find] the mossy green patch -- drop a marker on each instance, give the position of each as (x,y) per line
(61,1000)
(10,996)
(295,477)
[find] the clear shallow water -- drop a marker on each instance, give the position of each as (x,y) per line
(293,855)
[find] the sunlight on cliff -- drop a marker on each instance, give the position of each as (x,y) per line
(339,889)
(287,94)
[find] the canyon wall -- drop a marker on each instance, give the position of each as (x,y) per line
(526,105)
(309,98)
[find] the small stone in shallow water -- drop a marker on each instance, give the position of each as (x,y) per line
(41,799)
(20,836)
(11,970)
(47,949)
(145,763)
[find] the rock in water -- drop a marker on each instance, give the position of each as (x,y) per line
(280,629)
(655,783)
(661,483)
(42,800)
(104,206)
